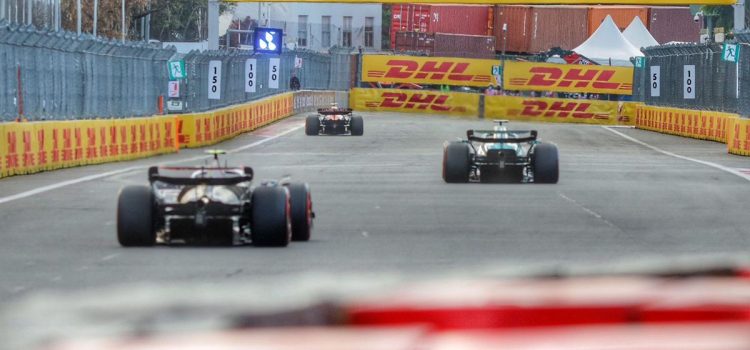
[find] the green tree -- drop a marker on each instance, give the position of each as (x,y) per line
(723,16)
(108,17)
(184,20)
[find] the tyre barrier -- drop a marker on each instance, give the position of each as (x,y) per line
(31,147)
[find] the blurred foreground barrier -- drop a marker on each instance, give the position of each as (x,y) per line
(415,101)
(31,147)
(558,110)
(705,125)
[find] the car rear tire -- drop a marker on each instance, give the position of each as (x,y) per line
(135,217)
(312,125)
(271,215)
(456,162)
(357,126)
(301,207)
(546,164)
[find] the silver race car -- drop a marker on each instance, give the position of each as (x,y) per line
(500,155)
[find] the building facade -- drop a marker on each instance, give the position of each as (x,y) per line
(320,26)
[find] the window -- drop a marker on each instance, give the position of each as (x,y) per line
(369,33)
(346,39)
(325,31)
(302,31)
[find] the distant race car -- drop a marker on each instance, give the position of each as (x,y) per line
(334,121)
(213,206)
(500,155)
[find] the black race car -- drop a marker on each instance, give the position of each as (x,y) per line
(500,155)
(213,206)
(334,121)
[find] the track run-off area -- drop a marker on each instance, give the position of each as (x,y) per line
(381,204)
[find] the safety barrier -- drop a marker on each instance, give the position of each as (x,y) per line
(721,127)
(415,101)
(31,147)
(560,110)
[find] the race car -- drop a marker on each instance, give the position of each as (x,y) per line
(334,121)
(213,206)
(500,155)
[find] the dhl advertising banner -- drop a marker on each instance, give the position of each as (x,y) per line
(31,147)
(704,125)
(415,101)
(535,76)
(429,70)
(558,110)
(738,136)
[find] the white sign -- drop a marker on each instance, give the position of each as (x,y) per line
(689,82)
(274,68)
(655,80)
(174,105)
(174,89)
(297,62)
(214,80)
(250,66)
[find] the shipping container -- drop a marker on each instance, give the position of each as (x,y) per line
(470,46)
(446,45)
(668,24)
(558,26)
(517,21)
(622,15)
(454,19)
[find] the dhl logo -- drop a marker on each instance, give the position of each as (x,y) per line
(579,78)
(438,71)
(418,101)
(559,109)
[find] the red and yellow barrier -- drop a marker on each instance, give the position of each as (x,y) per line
(738,136)
(705,125)
(201,129)
(560,110)
(31,147)
(415,101)
(536,76)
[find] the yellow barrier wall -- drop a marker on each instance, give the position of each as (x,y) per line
(31,147)
(705,125)
(738,136)
(428,70)
(536,76)
(559,110)
(414,101)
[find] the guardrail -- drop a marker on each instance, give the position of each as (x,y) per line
(31,147)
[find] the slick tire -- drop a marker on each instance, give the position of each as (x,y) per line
(302,214)
(456,162)
(546,164)
(357,125)
(312,126)
(271,215)
(135,217)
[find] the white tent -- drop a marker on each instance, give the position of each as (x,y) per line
(608,46)
(638,35)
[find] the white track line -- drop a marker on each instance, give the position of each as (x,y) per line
(703,162)
(48,188)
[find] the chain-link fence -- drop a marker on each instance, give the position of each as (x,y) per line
(46,75)
(714,85)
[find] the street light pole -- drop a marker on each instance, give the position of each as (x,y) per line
(96,15)
(122,13)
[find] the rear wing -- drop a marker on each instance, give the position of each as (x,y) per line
(236,178)
(329,111)
(495,136)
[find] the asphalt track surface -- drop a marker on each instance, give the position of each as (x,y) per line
(382,206)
